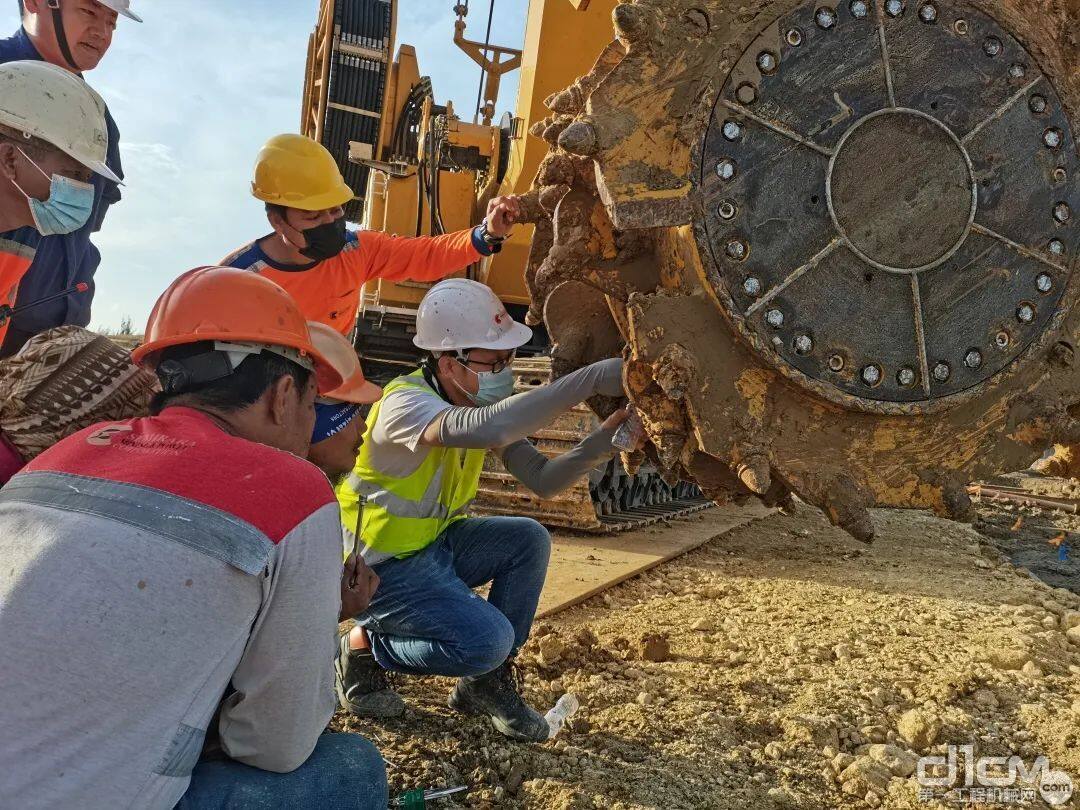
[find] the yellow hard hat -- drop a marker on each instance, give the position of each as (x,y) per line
(297,172)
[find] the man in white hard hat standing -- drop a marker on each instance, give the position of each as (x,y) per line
(417,471)
(73,35)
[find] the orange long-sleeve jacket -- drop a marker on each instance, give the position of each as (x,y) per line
(15,259)
(329,291)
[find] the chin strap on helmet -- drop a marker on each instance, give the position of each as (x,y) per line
(61,34)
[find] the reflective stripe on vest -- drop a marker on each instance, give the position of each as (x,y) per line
(404,515)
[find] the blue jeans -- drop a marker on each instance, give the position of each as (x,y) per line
(425,618)
(344,772)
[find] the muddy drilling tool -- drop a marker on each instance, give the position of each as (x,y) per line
(836,238)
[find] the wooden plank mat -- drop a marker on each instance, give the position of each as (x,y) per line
(584,565)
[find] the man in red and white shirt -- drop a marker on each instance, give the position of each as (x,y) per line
(192,558)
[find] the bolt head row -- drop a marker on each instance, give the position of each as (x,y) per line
(1053,138)
(894,8)
(726,209)
(736,249)
(726,169)
(732,130)
(794,37)
(859,9)
(1044,283)
(1025,313)
(767,62)
(774,318)
(1057,247)
(928,13)
(992,46)
(1062,212)
(1037,104)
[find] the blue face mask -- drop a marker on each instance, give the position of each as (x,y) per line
(494,386)
(68,208)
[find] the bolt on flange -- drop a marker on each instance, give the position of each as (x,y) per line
(726,169)
(825,17)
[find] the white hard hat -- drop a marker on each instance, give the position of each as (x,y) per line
(122,7)
(463,314)
(48,102)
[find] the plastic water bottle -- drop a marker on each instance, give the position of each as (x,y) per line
(560,713)
(630,433)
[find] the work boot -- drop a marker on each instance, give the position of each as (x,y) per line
(497,695)
(362,686)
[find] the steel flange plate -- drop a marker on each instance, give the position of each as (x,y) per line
(923,172)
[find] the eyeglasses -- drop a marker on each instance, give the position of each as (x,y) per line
(495,367)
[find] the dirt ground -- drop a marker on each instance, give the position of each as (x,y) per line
(805,670)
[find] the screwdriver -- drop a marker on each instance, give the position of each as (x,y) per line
(419,798)
(7,311)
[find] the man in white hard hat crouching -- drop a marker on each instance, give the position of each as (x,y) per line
(53,147)
(417,471)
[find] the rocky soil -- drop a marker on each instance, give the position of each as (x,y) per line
(781,665)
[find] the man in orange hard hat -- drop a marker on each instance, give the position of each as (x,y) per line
(338,434)
(339,425)
(322,264)
(208,552)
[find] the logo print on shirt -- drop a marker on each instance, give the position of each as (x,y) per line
(104,437)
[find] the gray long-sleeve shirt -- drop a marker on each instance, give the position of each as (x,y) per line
(148,566)
(405,414)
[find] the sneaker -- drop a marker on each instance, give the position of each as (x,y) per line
(497,695)
(363,688)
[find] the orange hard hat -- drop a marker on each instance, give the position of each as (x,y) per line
(334,347)
(232,306)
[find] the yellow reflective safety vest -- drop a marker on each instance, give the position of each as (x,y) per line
(401,516)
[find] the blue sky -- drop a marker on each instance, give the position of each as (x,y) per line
(196,89)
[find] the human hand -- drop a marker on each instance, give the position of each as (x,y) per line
(502,214)
(358,586)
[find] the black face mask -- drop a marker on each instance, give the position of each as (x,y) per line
(325,241)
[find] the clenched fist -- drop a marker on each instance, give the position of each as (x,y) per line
(502,214)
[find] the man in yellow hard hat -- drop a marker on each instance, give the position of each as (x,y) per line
(322,264)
